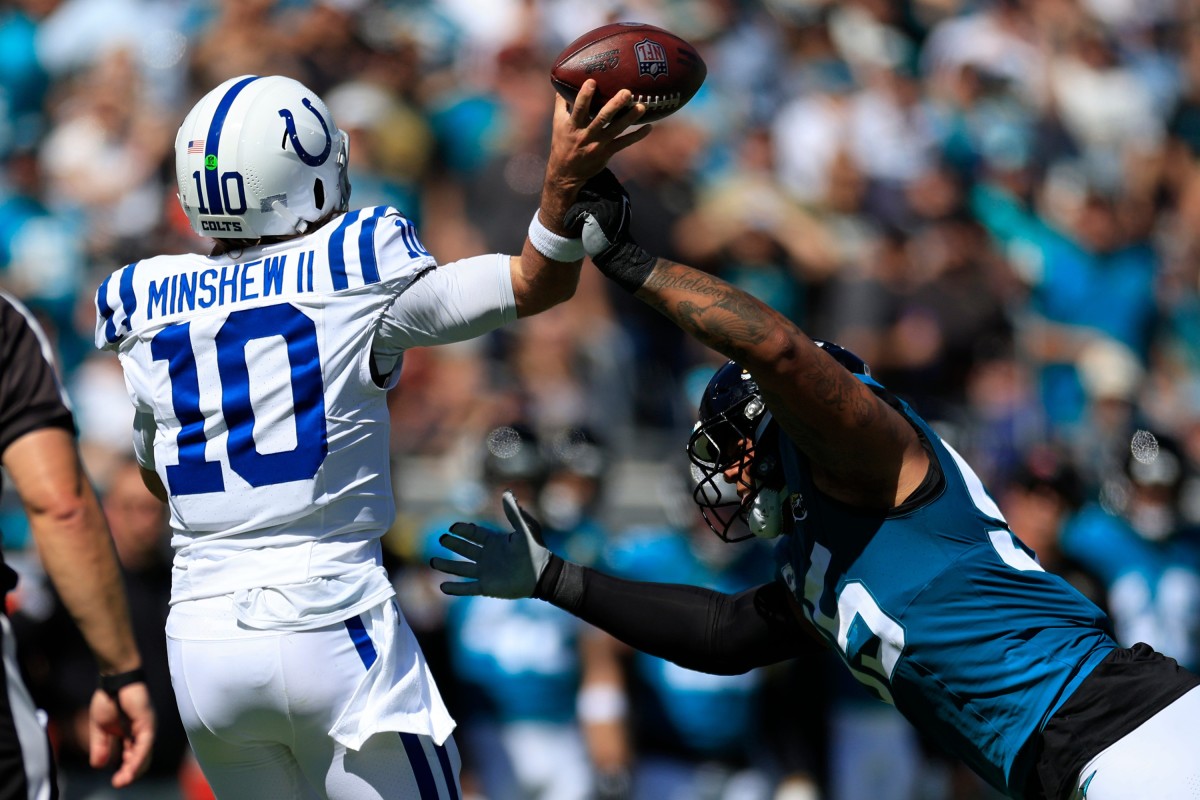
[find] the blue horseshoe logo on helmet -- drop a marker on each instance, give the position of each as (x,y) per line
(290,123)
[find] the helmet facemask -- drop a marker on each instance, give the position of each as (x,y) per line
(731,442)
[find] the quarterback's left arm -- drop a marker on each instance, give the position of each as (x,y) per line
(144,429)
(547,271)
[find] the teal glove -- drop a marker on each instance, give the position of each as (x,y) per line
(498,564)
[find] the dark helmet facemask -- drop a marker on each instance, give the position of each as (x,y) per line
(736,431)
(726,437)
(736,518)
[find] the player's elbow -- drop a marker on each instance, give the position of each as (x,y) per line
(779,351)
(539,296)
(725,651)
(62,509)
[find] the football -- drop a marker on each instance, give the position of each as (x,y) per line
(662,70)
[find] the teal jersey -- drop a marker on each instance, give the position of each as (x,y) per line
(517,659)
(940,610)
(1153,586)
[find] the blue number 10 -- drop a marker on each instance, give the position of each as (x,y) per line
(194,474)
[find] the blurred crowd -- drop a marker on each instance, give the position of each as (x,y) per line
(995,203)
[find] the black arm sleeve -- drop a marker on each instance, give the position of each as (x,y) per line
(696,628)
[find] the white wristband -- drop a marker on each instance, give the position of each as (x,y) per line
(600,703)
(551,245)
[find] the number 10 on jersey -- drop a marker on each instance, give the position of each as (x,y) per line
(195,473)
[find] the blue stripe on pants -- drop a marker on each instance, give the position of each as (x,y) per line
(420,765)
(362,641)
(412,743)
(447,770)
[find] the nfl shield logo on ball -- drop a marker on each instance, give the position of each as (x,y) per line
(651,58)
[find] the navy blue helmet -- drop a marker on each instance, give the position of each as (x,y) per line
(735,430)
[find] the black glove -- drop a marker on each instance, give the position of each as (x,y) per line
(498,564)
(603,210)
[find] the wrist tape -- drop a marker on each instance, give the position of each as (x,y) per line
(601,703)
(560,584)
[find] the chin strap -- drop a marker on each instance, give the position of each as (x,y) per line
(298,225)
(766,509)
(765,514)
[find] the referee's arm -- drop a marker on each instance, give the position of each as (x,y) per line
(37,448)
(77,552)
(73,542)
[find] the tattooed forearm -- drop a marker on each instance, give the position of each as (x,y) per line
(722,317)
(831,416)
(732,322)
(825,379)
(669,275)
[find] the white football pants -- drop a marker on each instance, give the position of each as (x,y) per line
(258,707)
(1159,759)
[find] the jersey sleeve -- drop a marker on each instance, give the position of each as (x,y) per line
(115,303)
(400,252)
(454,302)
(696,628)
(31,395)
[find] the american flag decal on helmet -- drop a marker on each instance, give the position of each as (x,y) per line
(196,146)
(651,58)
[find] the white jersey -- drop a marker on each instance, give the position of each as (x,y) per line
(259,408)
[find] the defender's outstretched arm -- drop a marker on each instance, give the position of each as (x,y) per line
(696,628)
(862,451)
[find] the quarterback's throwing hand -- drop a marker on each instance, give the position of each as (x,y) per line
(498,564)
(580,145)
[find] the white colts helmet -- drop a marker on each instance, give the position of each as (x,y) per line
(260,157)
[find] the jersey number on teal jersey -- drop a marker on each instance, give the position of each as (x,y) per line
(870,640)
